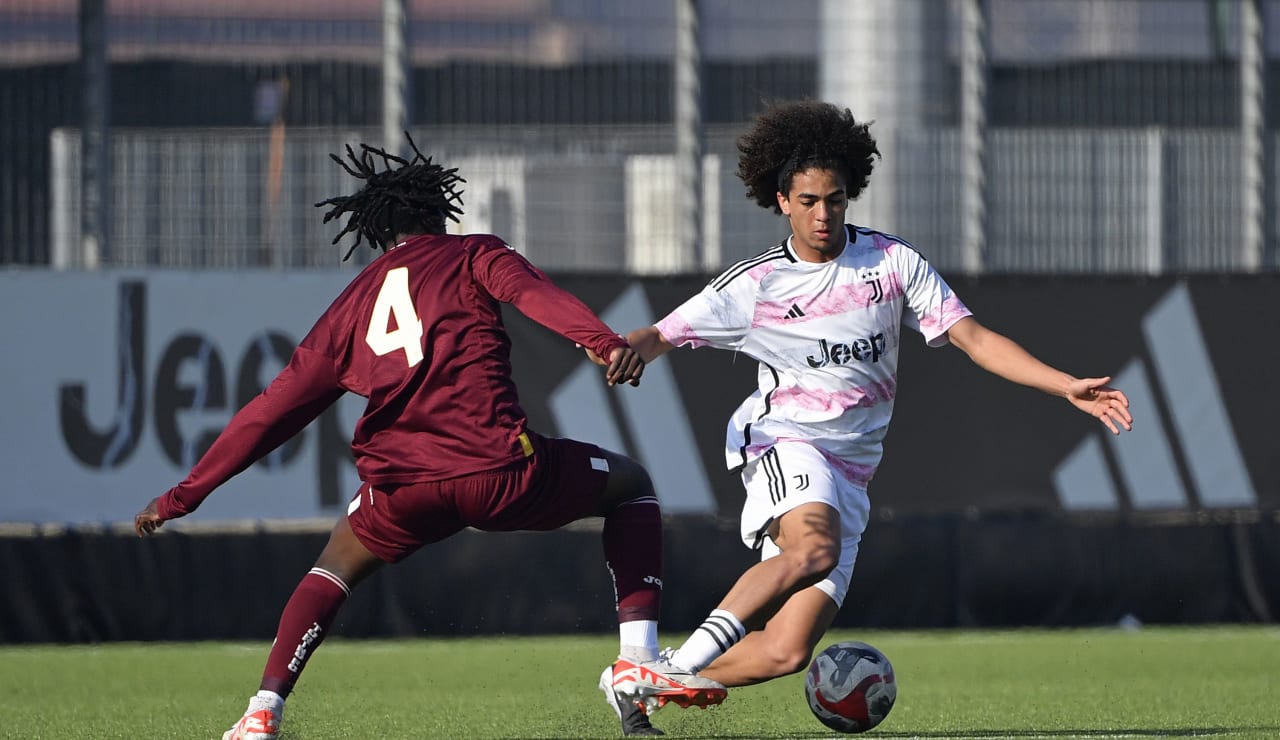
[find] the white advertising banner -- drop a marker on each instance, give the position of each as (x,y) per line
(114,383)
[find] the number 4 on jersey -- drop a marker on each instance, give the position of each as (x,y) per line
(394,302)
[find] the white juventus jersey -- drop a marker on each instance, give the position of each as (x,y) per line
(826,336)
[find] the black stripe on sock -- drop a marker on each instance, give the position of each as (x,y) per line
(716,636)
(726,630)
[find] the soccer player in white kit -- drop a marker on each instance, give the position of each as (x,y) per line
(823,313)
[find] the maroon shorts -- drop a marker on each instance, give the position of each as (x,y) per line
(560,482)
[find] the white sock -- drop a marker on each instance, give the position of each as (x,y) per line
(266,700)
(713,638)
(638,639)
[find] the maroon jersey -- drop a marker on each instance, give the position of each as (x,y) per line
(419,333)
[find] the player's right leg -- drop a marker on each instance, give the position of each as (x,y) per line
(640,682)
(632,715)
(653,684)
(632,539)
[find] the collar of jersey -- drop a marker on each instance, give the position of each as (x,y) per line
(795,258)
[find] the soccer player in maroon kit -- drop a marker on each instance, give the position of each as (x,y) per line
(443,443)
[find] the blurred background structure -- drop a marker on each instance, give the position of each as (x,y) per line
(1019,136)
(1097,176)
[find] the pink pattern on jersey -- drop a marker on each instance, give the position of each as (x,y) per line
(677,331)
(857,474)
(938,322)
(838,401)
(882,242)
(758,272)
(895,284)
(840,300)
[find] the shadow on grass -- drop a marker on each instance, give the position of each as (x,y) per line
(992,734)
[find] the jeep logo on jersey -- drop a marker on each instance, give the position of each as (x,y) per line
(838,353)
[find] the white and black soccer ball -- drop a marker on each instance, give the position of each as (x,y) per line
(850,687)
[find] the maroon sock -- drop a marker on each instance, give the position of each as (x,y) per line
(633,550)
(303,625)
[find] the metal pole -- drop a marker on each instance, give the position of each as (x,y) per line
(1252,142)
(395,75)
(688,134)
(973,133)
(902,49)
(95,153)
(1155,200)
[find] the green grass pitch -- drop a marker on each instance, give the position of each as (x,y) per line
(1216,682)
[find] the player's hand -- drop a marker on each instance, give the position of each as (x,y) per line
(1094,397)
(625,366)
(591,355)
(148,520)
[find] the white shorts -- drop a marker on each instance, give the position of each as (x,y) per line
(795,473)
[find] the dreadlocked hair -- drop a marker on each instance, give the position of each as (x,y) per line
(788,138)
(409,196)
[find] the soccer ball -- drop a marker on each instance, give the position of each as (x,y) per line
(850,687)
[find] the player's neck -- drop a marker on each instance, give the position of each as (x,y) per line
(819,253)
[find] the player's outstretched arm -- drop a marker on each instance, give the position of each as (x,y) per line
(1002,356)
(300,392)
(649,343)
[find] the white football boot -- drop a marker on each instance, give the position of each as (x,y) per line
(653,683)
(632,716)
(261,721)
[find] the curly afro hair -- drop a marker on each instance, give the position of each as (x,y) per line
(792,137)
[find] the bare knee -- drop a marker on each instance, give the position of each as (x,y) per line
(346,557)
(812,562)
(809,538)
(786,657)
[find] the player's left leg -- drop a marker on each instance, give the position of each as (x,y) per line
(306,619)
(304,623)
(806,517)
(784,646)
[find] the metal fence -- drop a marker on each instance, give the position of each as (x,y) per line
(1019,136)
(1065,201)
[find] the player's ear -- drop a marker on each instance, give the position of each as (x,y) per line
(783,204)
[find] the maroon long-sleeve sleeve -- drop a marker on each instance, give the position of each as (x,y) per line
(511,278)
(300,393)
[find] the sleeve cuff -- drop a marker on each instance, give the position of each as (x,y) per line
(168,507)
